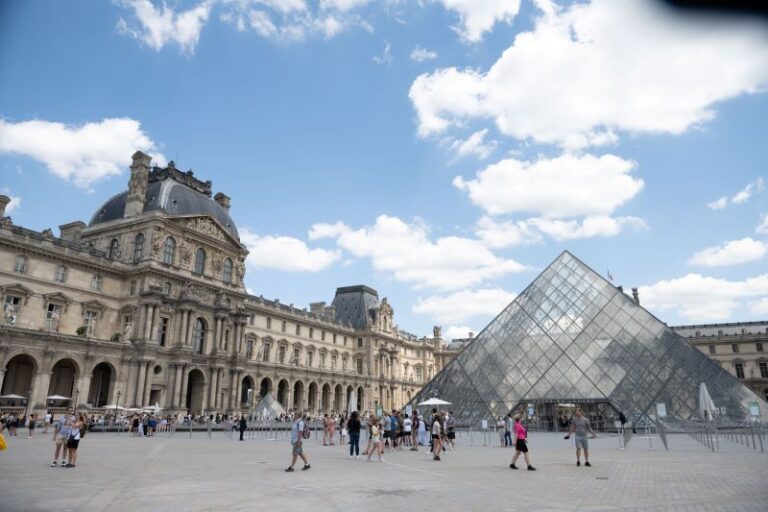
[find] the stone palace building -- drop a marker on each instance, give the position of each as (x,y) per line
(146,305)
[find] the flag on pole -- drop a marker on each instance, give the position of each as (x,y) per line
(610,277)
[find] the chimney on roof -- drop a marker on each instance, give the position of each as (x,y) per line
(636,296)
(72,231)
(620,288)
(222,200)
(317,308)
(471,335)
(4,200)
(137,186)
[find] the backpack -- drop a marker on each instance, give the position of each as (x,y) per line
(305,433)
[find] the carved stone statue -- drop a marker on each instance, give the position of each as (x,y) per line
(156,242)
(128,330)
(437,332)
(185,253)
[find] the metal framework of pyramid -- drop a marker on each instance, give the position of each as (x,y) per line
(572,336)
(268,408)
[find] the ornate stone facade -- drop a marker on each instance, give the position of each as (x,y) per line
(146,305)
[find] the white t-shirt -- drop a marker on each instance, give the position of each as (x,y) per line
(407,424)
(436,427)
(48,418)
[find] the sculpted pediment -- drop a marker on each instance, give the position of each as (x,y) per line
(206,226)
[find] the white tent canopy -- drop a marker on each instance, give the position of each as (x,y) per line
(13,397)
(434,401)
(113,407)
(706,405)
(59,397)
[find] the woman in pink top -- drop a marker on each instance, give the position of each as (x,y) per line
(521,445)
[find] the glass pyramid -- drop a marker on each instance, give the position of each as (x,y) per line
(573,337)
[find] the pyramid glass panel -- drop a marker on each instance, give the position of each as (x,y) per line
(573,337)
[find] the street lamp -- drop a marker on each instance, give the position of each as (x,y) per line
(116,404)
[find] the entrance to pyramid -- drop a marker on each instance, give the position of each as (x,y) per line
(556,415)
(572,338)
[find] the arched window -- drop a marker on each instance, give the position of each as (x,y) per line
(114,249)
(200,261)
(226,272)
(138,247)
(198,336)
(169,250)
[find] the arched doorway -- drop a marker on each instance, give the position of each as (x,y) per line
(247,385)
(326,401)
(101,378)
(18,376)
(282,393)
(338,396)
(298,395)
(265,387)
(312,398)
(360,400)
(195,391)
(63,376)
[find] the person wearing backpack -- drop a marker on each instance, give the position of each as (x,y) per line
(298,430)
(353,427)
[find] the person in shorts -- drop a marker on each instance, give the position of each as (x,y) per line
(450,430)
(521,445)
(73,441)
(297,443)
(61,430)
(580,426)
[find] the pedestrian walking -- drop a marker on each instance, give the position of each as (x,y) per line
(61,431)
(508,425)
(47,421)
(376,442)
(500,429)
(437,443)
(297,442)
(31,426)
(521,445)
(243,425)
(353,428)
(450,430)
(579,427)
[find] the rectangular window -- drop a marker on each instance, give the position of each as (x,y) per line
(764,370)
(322,335)
(322,360)
(311,332)
(283,326)
(163,330)
(133,288)
(265,353)
(759,347)
(11,309)
(298,330)
(281,355)
(739,370)
(735,348)
(21,264)
(359,366)
(712,349)
(250,319)
(418,372)
(61,274)
(359,342)
(345,341)
(96,282)
(334,337)
(90,321)
(310,357)
(334,360)
(249,349)
(295,356)
(52,317)
(269,323)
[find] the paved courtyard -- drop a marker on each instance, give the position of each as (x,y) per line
(121,473)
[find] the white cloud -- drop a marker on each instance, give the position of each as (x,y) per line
(740,197)
(499,234)
(342,5)
(324,230)
(81,154)
(476,17)
(474,145)
(565,186)
(590,70)
(455,332)
(734,252)
(285,253)
(161,26)
(460,306)
(420,54)
(406,251)
(15,201)
(588,227)
(386,56)
(703,299)
(762,228)
(759,307)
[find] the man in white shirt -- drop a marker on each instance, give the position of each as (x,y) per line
(297,439)
(407,428)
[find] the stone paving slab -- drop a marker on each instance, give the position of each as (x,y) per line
(121,473)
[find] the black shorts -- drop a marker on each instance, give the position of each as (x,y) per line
(387,434)
(521,446)
(435,436)
(72,443)
(451,435)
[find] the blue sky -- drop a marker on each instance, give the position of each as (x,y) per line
(440,151)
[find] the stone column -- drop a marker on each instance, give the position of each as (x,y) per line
(212,387)
(2,376)
(84,386)
(129,387)
(139,396)
(39,391)
(234,398)
(148,381)
(216,334)
(183,389)
(155,323)
(170,394)
(182,323)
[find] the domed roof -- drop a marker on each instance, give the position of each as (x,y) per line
(172,197)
